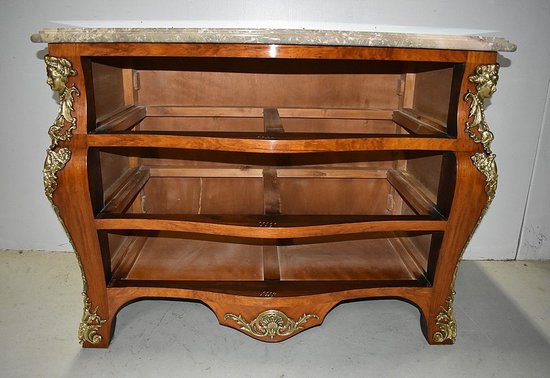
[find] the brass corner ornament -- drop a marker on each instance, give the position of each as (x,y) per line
(485,78)
(58,71)
(90,324)
(55,161)
(446,322)
(487,165)
(271,323)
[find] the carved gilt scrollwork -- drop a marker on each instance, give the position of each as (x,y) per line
(90,324)
(271,323)
(55,161)
(485,78)
(486,164)
(59,70)
(446,322)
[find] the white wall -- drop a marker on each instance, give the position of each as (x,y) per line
(534,243)
(26,220)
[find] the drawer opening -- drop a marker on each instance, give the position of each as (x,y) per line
(192,96)
(286,189)
(283,267)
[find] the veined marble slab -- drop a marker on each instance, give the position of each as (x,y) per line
(272,36)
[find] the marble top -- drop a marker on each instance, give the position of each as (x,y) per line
(272,36)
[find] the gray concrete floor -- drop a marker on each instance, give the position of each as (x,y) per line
(502,309)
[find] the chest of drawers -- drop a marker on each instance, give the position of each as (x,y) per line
(269,174)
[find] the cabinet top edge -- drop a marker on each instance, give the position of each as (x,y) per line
(272,37)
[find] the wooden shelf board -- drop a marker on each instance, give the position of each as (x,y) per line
(271,136)
(228,121)
(269,227)
(367,259)
(262,143)
(165,258)
(215,266)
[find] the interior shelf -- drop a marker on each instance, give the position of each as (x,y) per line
(282,197)
(285,100)
(246,265)
(254,122)
(268,144)
(265,129)
(292,192)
